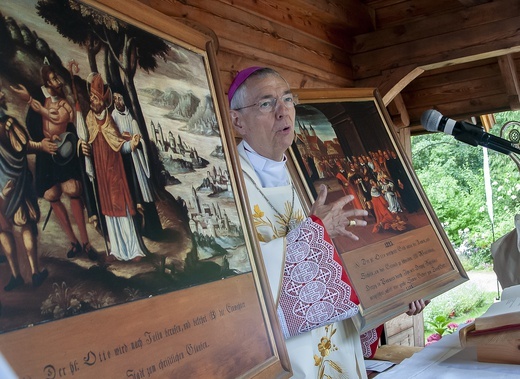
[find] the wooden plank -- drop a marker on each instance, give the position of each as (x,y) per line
(474,43)
(466,46)
(510,78)
(392,13)
(404,138)
(233,61)
(472,100)
(248,31)
(470,3)
(398,324)
(403,338)
(435,24)
(395,353)
(330,21)
(463,109)
(455,91)
(429,79)
(418,320)
(311,65)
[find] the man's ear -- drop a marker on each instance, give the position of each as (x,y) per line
(235,121)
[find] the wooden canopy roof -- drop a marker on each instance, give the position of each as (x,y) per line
(457,56)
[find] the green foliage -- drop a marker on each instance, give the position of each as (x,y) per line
(452,176)
(456,306)
(471,255)
(440,325)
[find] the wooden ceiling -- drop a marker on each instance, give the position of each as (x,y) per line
(457,56)
(460,57)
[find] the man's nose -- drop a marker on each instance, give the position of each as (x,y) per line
(281,108)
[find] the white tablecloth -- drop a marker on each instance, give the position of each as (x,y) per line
(445,359)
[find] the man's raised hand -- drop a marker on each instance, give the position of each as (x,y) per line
(335,219)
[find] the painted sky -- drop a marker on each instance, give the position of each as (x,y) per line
(308,114)
(181,65)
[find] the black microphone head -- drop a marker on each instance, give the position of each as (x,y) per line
(431,119)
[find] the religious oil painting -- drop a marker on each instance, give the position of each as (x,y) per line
(121,215)
(345,143)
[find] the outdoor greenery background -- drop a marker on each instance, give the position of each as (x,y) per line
(452,175)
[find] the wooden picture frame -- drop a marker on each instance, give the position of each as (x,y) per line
(402,254)
(197,304)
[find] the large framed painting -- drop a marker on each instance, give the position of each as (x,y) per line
(126,249)
(344,141)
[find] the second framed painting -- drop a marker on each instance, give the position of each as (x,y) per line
(344,141)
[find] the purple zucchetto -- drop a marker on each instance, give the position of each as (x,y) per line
(239,79)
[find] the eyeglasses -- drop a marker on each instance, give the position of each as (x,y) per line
(268,105)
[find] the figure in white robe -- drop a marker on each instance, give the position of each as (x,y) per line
(138,172)
(387,188)
(128,127)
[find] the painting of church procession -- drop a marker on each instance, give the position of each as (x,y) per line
(345,146)
(115,179)
(344,142)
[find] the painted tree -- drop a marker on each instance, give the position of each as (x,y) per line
(125,48)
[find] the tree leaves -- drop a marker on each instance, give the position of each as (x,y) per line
(451,174)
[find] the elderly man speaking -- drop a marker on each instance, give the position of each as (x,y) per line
(314,298)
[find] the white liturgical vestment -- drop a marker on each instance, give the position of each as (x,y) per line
(303,278)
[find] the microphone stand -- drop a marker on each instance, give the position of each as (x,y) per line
(487,140)
(505,149)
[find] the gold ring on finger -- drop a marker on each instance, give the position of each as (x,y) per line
(352,223)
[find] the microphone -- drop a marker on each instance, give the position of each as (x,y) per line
(474,135)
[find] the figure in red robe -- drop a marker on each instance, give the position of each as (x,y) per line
(105,145)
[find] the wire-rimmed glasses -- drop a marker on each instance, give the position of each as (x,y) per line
(269,104)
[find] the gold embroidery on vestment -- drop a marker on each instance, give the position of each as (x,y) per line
(281,225)
(325,347)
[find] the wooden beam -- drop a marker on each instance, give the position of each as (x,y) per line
(487,30)
(510,76)
(391,82)
(488,121)
(398,112)
(398,80)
